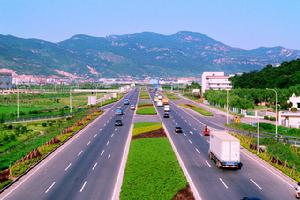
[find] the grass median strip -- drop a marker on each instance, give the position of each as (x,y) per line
(146,109)
(152,169)
(199,110)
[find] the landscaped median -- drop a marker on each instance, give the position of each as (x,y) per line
(171,95)
(146,109)
(152,170)
(197,109)
(144,95)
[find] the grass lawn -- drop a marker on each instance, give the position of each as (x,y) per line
(144,95)
(171,95)
(192,97)
(266,127)
(152,170)
(199,110)
(143,127)
(146,109)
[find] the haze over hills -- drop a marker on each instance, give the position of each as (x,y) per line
(181,54)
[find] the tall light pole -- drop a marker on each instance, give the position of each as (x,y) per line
(18,103)
(71,100)
(276,102)
(257,134)
(227,107)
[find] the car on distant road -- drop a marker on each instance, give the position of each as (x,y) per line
(132,107)
(118,122)
(119,111)
(178,129)
(166,115)
(126,101)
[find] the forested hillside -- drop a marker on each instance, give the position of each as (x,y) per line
(284,76)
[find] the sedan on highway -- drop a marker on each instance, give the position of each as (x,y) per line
(132,107)
(166,115)
(178,129)
(118,122)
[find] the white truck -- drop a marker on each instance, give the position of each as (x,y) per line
(224,149)
(167,108)
(159,103)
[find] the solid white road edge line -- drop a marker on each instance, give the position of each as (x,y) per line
(49,188)
(181,163)
(223,183)
(68,167)
(94,166)
(82,187)
(120,177)
(255,184)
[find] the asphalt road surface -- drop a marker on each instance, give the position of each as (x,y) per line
(255,179)
(86,167)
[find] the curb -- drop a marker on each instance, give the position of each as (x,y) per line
(119,182)
(181,163)
(76,134)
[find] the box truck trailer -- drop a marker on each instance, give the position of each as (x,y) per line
(224,149)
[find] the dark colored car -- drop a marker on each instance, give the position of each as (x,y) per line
(166,115)
(118,123)
(178,129)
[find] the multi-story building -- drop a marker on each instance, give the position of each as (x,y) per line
(215,81)
(5,80)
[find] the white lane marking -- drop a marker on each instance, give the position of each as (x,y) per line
(95,166)
(82,187)
(184,134)
(190,124)
(101,129)
(176,123)
(107,143)
(112,135)
(255,184)
(68,167)
(190,141)
(102,152)
(185,121)
(95,135)
(207,141)
(88,143)
(223,183)
(49,188)
(116,129)
(269,170)
(191,132)
(195,129)
(197,150)
(80,153)
(200,134)
(208,164)
(108,156)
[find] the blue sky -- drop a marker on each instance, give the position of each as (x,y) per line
(240,23)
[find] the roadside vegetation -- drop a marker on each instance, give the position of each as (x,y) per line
(146,109)
(283,156)
(152,169)
(24,144)
(198,109)
(144,94)
(266,127)
(171,95)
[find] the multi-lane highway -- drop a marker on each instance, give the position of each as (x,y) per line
(255,179)
(86,167)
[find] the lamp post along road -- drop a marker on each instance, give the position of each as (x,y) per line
(257,135)
(227,113)
(276,110)
(18,103)
(71,99)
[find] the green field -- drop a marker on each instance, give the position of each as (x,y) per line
(199,110)
(171,95)
(41,105)
(152,170)
(143,127)
(146,109)
(144,95)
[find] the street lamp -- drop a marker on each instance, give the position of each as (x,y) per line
(18,102)
(227,109)
(276,102)
(71,100)
(257,135)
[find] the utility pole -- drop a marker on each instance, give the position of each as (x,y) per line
(276,110)
(227,109)
(257,134)
(18,103)
(71,99)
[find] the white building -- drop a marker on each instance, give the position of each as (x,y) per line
(295,101)
(215,81)
(291,118)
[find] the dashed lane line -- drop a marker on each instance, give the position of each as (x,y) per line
(49,188)
(82,187)
(88,143)
(94,166)
(208,164)
(68,167)
(255,184)
(80,153)
(223,183)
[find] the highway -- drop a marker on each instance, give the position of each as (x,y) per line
(86,167)
(255,179)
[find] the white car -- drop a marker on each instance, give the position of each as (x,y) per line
(132,107)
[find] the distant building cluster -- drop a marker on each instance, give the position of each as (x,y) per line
(5,80)
(215,81)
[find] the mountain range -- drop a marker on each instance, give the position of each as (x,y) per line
(140,54)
